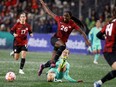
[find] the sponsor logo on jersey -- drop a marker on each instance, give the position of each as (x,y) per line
(26,28)
(69,26)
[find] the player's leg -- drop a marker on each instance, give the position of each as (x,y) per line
(17,51)
(60,45)
(61,48)
(55,54)
(97,55)
(96,52)
(48,63)
(12,53)
(111,59)
(23,56)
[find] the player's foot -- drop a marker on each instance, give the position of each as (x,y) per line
(95,62)
(21,71)
(40,69)
(57,80)
(79,80)
(12,53)
(96,84)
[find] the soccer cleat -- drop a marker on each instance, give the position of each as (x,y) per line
(21,71)
(12,53)
(79,81)
(57,80)
(95,62)
(40,70)
(96,84)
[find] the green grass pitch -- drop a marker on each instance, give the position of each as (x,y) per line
(82,67)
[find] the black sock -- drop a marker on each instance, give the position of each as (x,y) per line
(22,63)
(109,76)
(47,64)
(59,52)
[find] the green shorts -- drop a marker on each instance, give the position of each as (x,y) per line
(96,47)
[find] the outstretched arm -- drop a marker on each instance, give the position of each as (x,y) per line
(85,37)
(101,35)
(47,9)
(67,77)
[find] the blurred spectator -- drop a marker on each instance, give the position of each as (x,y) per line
(2,27)
(42,23)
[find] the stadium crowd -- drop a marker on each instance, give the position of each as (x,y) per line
(42,23)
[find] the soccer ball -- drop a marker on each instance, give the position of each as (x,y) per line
(10,76)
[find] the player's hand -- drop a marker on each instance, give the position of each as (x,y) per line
(88,43)
(41,1)
(89,48)
(31,34)
(79,81)
(15,35)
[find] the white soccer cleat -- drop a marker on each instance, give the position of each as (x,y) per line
(21,71)
(57,80)
(96,84)
(95,62)
(12,53)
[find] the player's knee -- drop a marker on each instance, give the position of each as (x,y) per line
(56,48)
(62,48)
(16,57)
(114,66)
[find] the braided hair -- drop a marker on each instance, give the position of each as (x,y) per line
(77,21)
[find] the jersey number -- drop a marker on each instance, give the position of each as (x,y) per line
(23,31)
(109,29)
(64,28)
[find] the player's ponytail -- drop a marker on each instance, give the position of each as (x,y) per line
(77,21)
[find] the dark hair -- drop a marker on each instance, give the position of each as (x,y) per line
(77,21)
(114,12)
(113,15)
(69,12)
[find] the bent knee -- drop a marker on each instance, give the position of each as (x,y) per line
(114,66)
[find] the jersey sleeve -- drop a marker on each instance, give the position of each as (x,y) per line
(13,29)
(103,29)
(67,76)
(57,18)
(30,29)
(90,34)
(75,26)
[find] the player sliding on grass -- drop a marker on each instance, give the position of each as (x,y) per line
(109,31)
(61,70)
(20,31)
(66,24)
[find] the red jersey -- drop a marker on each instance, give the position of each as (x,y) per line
(64,29)
(22,30)
(110,32)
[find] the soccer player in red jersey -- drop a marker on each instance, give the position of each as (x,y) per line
(109,31)
(20,31)
(66,24)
